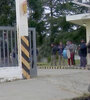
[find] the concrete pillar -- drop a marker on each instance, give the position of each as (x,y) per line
(22,32)
(88,38)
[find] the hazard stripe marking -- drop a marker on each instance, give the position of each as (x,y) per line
(25,51)
(25,63)
(25,74)
(25,57)
(23,43)
(25,40)
(26,69)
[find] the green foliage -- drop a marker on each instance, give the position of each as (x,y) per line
(36,12)
(58,20)
(36,9)
(7,12)
(74,36)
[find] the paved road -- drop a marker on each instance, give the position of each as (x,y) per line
(50,84)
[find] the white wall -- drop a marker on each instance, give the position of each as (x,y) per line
(88,31)
(10,73)
(88,38)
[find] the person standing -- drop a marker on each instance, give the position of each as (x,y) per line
(83,54)
(53,54)
(68,52)
(60,53)
(70,47)
(72,53)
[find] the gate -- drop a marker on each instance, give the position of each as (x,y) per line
(33,52)
(9,48)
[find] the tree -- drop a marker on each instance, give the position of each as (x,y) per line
(35,18)
(57,16)
(7,12)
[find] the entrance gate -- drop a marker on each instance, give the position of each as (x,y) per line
(9,50)
(8,47)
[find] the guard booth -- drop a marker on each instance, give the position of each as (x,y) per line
(9,50)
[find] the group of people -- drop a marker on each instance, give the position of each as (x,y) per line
(68,52)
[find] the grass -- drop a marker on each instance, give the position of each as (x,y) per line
(42,64)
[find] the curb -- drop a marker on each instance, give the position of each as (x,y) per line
(62,67)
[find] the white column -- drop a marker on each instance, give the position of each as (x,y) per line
(88,38)
(22,24)
(18,30)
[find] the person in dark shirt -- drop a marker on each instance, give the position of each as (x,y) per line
(60,53)
(53,54)
(83,54)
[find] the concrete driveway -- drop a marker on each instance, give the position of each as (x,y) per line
(51,84)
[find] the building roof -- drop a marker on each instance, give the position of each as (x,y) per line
(80,19)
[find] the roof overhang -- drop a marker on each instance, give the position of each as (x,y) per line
(80,19)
